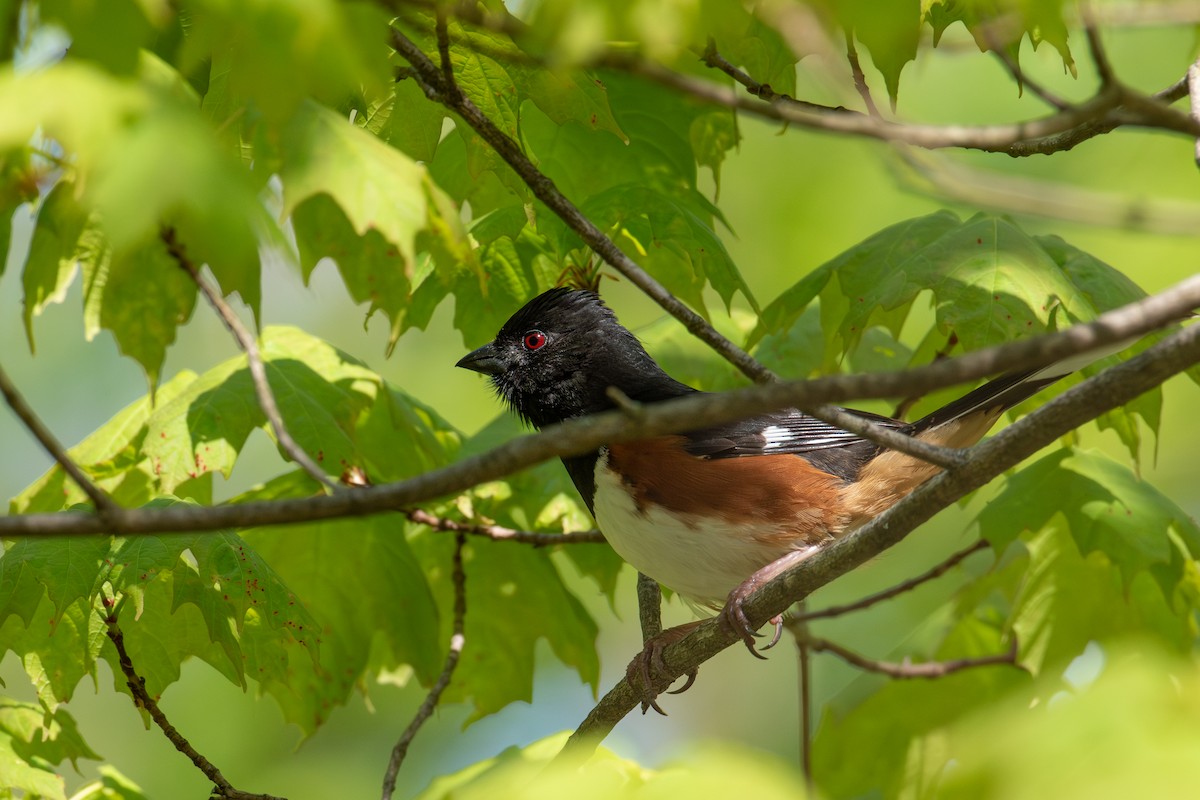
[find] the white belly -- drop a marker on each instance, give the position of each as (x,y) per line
(692,556)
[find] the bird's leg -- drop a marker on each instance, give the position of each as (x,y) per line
(734,619)
(648,668)
(648,664)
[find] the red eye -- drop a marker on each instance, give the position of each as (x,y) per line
(535,340)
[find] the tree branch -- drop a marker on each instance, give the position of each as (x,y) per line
(900,588)
(258,370)
(104,504)
(457,642)
(1083,402)
(944,457)
(137,687)
(1114,105)
(586,434)
(907,669)
(1193,88)
(499,533)
(1060,131)
(544,189)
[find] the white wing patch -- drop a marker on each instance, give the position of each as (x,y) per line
(775,436)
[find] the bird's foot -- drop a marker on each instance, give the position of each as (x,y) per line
(733,616)
(647,669)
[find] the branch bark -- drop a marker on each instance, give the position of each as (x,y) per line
(453,653)
(434,85)
(104,504)
(258,370)
(137,687)
(583,435)
(1109,389)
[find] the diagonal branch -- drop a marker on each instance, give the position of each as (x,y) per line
(900,588)
(586,434)
(258,370)
(137,687)
(104,504)
(1107,390)
(434,86)
(457,642)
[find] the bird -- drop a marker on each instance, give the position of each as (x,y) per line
(712,513)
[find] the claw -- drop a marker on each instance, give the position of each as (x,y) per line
(777,621)
(691,678)
(649,662)
(734,620)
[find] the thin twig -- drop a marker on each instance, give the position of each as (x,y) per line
(137,687)
(100,499)
(1113,387)
(932,173)
(906,668)
(1096,47)
(434,86)
(258,370)
(860,79)
(798,628)
(687,413)
(900,588)
(1023,80)
(443,45)
(944,457)
(1193,89)
(457,642)
(1061,131)
(500,533)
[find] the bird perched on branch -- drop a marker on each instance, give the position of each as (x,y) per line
(715,512)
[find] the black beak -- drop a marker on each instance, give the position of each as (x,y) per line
(484,360)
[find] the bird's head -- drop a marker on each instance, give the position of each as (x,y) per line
(556,357)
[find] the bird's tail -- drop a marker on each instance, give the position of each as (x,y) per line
(891,475)
(997,396)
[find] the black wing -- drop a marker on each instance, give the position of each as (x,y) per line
(790,432)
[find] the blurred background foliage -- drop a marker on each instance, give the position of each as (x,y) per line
(273,82)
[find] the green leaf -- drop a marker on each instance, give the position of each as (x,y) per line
(112,785)
(516,585)
(321,393)
(109,34)
(146,296)
(707,772)
(281,54)
(541,498)
(672,237)
(373,269)
(889,29)
(248,609)
(1105,507)
(746,41)
(1067,600)
(371,603)
(51,264)
(569,96)
(413,123)
(50,589)
(1131,731)
(900,749)
(111,455)
(32,739)
(377,187)
(882,254)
